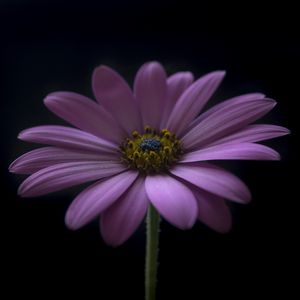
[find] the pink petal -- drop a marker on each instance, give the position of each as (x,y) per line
(41,158)
(85,114)
(121,219)
(213,211)
(193,100)
(96,198)
(67,137)
(65,175)
(224,104)
(112,91)
(176,85)
(150,90)
(253,133)
(226,121)
(174,200)
(214,180)
(240,151)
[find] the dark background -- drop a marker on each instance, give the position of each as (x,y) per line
(50,45)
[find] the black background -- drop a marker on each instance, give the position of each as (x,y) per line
(49,45)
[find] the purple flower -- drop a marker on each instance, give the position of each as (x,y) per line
(147,146)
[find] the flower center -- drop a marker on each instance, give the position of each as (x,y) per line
(152,151)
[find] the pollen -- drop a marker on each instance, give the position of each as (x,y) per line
(151,151)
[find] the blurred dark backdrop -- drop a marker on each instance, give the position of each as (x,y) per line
(50,45)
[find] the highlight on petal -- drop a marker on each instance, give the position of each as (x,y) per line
(253,133)
(173,200)
(193,100)
(150,90)
(213,211)
(176,85)
(240,151)
(214,180)
(226,121)
(67,137)
(113,92)
(225,104)
(92,201)
(85,114)
(122,218)
(65,175)
(41,158)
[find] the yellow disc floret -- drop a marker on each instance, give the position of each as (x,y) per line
(151,151)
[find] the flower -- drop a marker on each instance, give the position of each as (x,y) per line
(147,146)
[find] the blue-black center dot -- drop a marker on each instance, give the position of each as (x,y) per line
(150,144)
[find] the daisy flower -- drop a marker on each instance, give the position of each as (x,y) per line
(147,146)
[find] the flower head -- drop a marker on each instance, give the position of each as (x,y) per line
(149,145)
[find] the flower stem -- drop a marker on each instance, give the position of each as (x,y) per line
(153,220)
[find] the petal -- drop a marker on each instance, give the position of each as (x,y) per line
(176,85)
(214,180)
(85,114)
(121,219)
(65,175)
(67,137)
(229,102)
(253,133)
(150,90)
(213,211)
(174,200)
(240,151)
(41,158)
(225,121)
(193,100)
(112,91)
(96,198)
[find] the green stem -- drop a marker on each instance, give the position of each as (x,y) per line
(153,220)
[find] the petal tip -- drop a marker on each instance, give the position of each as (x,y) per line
(272,102)
(23,192)
(111,242)
(100,69)
(21,135)
(153,63)
(12,168)
(48,100)
(219,73)
(277,156)
(187,226)
(69,222)
(286,131)
(247,199)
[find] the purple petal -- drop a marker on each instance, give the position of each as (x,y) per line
(112,91)
(174,200)
(121,219)
(65,175)
(226,121)
(253,133)
(240,151)
(96,198)
(224,104)
(67,137)
(41,158)
(150,90)
(176,85)
(193,100)
(214,180)
(213,211)
(85,114)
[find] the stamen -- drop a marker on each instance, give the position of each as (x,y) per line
(151,152)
